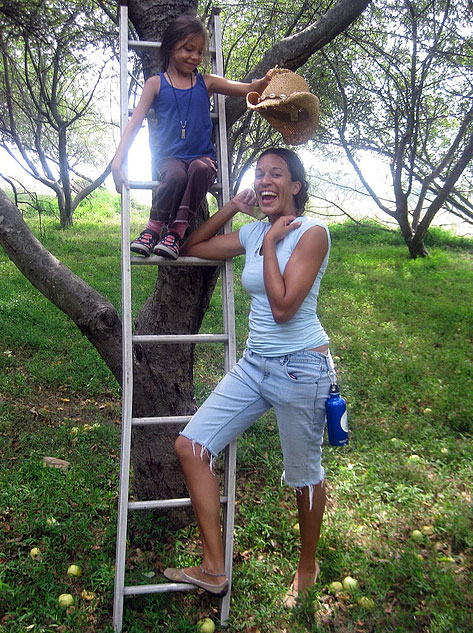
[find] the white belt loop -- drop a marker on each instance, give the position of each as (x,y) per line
(331,368)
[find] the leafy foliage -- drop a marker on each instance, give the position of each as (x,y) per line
(50,77)
(404,79)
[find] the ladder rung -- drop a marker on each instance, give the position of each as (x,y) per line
(159,504)
(135,44)
(179,338)
(152,184)
(151,114)
(155,260)
(168,419)
(135,590)
(150,44)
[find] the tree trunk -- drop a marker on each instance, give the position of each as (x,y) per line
(66,210)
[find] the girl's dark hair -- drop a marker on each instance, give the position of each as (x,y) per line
(181,28)
(297,171)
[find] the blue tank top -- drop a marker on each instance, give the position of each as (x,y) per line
(199,124)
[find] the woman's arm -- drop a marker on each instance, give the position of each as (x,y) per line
(287,292)
(224,86)
(204,241)
(150,90)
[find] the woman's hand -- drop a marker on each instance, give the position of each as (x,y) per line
(245,202)
(280,228)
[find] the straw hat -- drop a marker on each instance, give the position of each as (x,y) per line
(288,106)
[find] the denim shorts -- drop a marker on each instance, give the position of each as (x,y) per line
(296,385)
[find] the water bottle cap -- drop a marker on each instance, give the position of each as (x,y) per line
(334,388)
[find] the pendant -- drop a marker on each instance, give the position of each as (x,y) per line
(183,133)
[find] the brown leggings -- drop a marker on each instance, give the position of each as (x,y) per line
(183,186)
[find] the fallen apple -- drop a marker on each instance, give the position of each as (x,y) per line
(74,570)
(427,410)
(335,587)
(416,535)
(205,625)
(65,600)
(35,553)
(427,529)
(414,458)
(446,559)
(88,595)
(366,603)
(350,584)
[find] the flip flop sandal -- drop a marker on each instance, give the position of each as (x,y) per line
(180,575)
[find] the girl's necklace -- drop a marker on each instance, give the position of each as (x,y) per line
(183,123)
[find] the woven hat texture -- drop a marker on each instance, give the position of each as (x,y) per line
(288,106)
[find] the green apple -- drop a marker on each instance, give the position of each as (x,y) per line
(416,535)
(74,570)
(350,584)
(414,458)
(205,626)
(366,603)
(65,600)
(35,553)
(335,587)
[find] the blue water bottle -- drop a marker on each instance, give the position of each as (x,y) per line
(337,420)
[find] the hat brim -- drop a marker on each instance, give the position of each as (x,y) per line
(295,116)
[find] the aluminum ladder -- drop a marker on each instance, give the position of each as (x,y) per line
(222,191)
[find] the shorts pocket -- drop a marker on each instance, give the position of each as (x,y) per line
(306,371)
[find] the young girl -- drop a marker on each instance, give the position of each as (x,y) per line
(186,167)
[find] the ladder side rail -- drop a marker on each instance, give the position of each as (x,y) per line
(229,325)
(127,351)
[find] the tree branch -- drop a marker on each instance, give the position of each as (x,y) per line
(292,52)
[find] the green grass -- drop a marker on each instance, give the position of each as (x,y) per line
(401,332)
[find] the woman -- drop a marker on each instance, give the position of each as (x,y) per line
(284,366)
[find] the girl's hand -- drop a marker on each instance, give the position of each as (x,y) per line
(281,227)
(245,202)
(119,178)
(258,85)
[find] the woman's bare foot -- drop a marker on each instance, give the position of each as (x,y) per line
(301,583)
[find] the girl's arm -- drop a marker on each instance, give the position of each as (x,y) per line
(204,243)
(224,86)
(286,292)
(150,91)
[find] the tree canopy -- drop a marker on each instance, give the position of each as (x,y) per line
(50,78)
(403,79)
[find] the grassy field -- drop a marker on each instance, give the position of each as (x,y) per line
(401,332)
